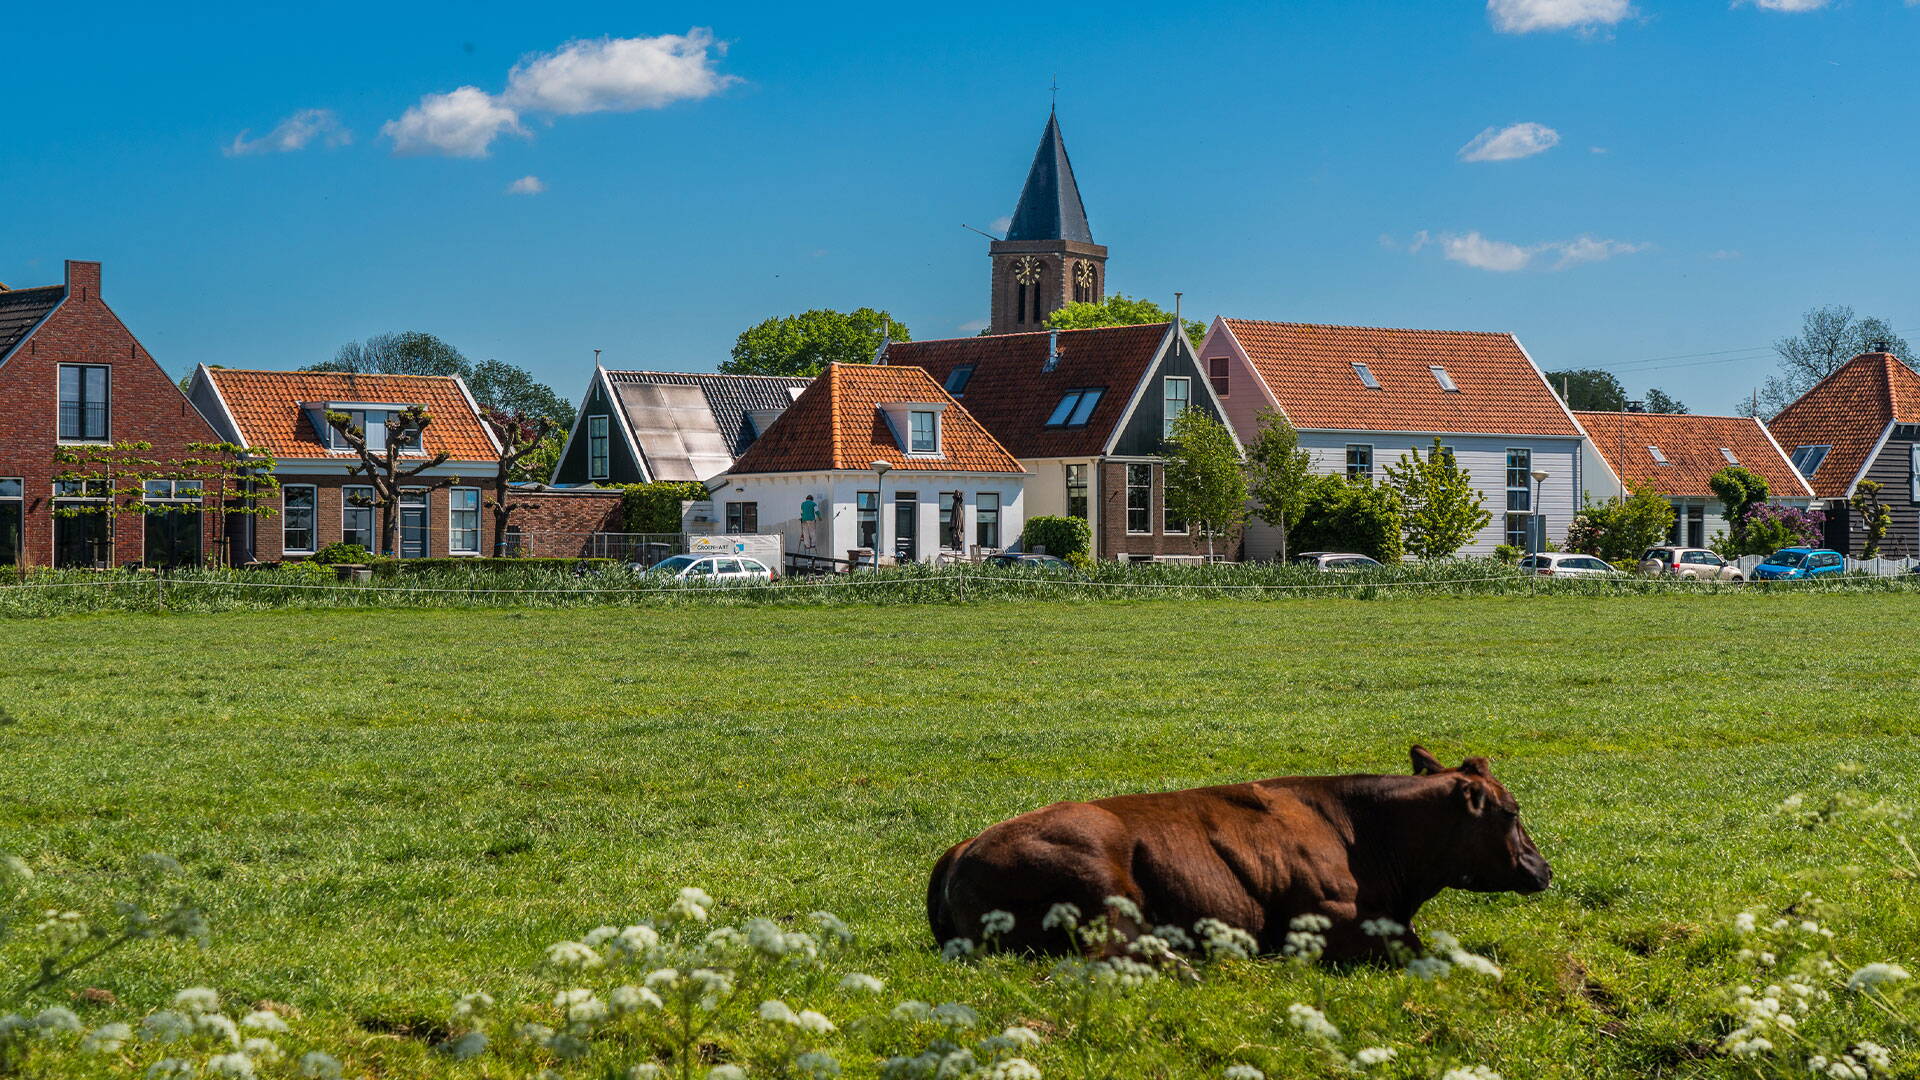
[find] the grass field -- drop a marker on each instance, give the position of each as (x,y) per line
(382,810)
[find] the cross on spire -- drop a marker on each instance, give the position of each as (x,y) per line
(1055,91)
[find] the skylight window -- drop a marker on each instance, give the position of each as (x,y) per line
(1809,458)
(957,379)
(1728,454)
(1076,407)
(1445,380)
(1659,456)
(1366,375)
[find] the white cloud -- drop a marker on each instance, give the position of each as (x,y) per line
(1510,143)
(1002,224)
(294,133)
(973,327)
(1504,257)
(1529,16)
(463,123)
(1723,254)
(583,76)
(1598,150)
(1790,5)
(527,185)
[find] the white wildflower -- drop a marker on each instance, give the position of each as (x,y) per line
(1015,1069)
(1243,1072)
(465,1047)
(1175,937)
(957,949)
(1844,1067)
(726,1072)
(1479,965)
(994,923)
(170,1069)
(777,1012)
(1745,923)
(629,999)
(1312,1023)
(913,1010)
(1304,945)
(691,906)
(197,999)
(1061,917)
(833,926)
(634,942)
(865,984)
(572,956)
(766,937)
(646,1070)
(816,1066)
(582,1008)
(1150,947)
(1875,975)
(1428,967)
(1021,1035)
(262,1020)
(239,1066)
(726,939)
(1310,923)
(956,1063)
(713,985)
(12,1024)
(663,979)
(1470,1072)
(1124,908)
(534,1033)
(1370,1056)
(1877,1057)
(471,1007)
(14,871)
(218,1024)
(106,1038)
(1382,928)
(56,1020)
(315,1065)
(1219,939)
(260,1049)
(64,929)
(813,1023)
(600,935)
(955,1015)
(165,1026)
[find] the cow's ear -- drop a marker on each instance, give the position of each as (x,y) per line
(1477,766)
(1425,764)
(1474,794)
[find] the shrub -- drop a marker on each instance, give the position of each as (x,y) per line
(1350,514)
(1080,561)
(655,507)
(1618,530)
(1061,536)
(334,554)
(307,571)
(1507,553)
(1768,527)
(1739,490)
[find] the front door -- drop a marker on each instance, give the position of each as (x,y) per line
(81,539)
(413,524)
(906,526)
(173,537)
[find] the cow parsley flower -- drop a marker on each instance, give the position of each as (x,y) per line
(1428,967)
(1061,917)
(1219,939)
(1477,964)
(1312,1023)
(1243,1072)
(726,939)
(1175,937)
(315,1065)
(170,1069)
(261,1049)
(581,1007)
(690,906)
(262,1020)
(713,985)
(1875,975)
(777,1012)
(956,949)
(106,1038)
(726,1072)
(197,999)
(470,1008)
(465,1047)
(1745,923)
(165,1026)
(833,926)
(1014,1069)
(14,872)
(663,979)
(572,956)
(1843,1067)
(218,1024)
(64,929)
(1150,947)
(813,1023)
(865,984)
(1124,908)
(56,1020)
(1370,1056)
(1021,1035)
(816,1066)
(912,1010)
(994,923)
(646,1070)
(630,999)
(1877,1057)
(954,1015)
(239,1066)
(1382,928)
(1470,1072)
(634,942)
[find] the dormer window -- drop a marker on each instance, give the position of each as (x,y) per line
(1659,456)
(1366,376)
(370,420)
(923,432)
(1075,407)
(1445,380)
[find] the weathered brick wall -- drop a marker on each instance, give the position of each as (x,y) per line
(559,524)
(330,498)
(144,405)
(1115,542)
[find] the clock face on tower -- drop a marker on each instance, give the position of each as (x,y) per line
(1026,270)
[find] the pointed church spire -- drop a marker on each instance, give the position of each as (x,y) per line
(1050,207)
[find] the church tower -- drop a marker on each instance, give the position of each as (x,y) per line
(1049,259)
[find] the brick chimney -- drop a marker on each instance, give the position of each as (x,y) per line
(83,280)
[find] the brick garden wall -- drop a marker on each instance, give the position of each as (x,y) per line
(559,524)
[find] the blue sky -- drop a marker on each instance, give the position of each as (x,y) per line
(1692,176)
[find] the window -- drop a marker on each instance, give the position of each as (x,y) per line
(413,523)
(1519,479)
(1360,460)
(1171,522)
(371,423)
(597,439)
(953,521)
(356,516)
(1366,376)
(170,490)
(1140,498)
(1913,472)
(1174,391)
(743,518)
(82,489)
(906,526)
(83,402)
(12,519)
(1218,368)
(922,434)
(1728,454)
(1077,491)
(1445,380)
(1517,530)
(1443,452)
(296,519)
(986,517)
(1659,456)
(1075,408)
(172,523)
(463,521)
(866,517)
(957,379)
(1809,458)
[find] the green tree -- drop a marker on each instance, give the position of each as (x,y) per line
(1589,389)
(1829,337)
(1440,508)
(1620,529)
(1206,483)
(1118,310)
(384,468)
(1738,488)
(1659,401)
(806,343)
(1340,513)
(1278,473)
(506,388)
(1873,514)
(521,436)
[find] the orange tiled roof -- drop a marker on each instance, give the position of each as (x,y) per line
(266,406)
(1309,369)
(1848,410)
(837,424)
(1691,445)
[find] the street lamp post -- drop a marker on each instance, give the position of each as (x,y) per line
(1539,512)
(880,469)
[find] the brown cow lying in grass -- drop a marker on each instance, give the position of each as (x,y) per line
(1253,855)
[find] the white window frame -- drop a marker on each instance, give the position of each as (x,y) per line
(372,512)
(1659,456)
(1913,472)
(932,448)
(313,518)
(400,508)
(1366,376)
(1445,380)
(108,436)
(1167,417)
(986,514)
(1526,488)
(599,432)
(453,531)
(1727,452)
(1126,505)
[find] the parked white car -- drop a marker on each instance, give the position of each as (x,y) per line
(720,569)
(1336,561)
(1555,564)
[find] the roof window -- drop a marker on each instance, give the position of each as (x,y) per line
(1659,456)
(1366,375)
(1076,407)
(957,379)
(1728,454)
(1809,458)
(1445,380)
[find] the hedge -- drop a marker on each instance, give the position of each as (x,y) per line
(655,507)
(1061,536)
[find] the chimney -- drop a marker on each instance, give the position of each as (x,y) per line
(83,279)
(1053,350)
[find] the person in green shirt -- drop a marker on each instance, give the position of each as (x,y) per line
(809,523)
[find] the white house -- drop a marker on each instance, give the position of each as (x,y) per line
(875,458)
(1362,397)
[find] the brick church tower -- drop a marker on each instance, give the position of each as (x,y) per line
(1049,259)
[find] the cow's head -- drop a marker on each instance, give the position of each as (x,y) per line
(1492,849)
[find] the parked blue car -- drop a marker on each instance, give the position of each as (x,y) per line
(1799,562)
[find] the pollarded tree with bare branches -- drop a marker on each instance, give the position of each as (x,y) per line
(520,434)
(384,467)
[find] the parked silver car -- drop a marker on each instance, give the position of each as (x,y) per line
(1559,564)
(1689,562)
(1336,561)
(723,569)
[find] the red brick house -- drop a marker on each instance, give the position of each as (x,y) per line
(442,513)
(72,374)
